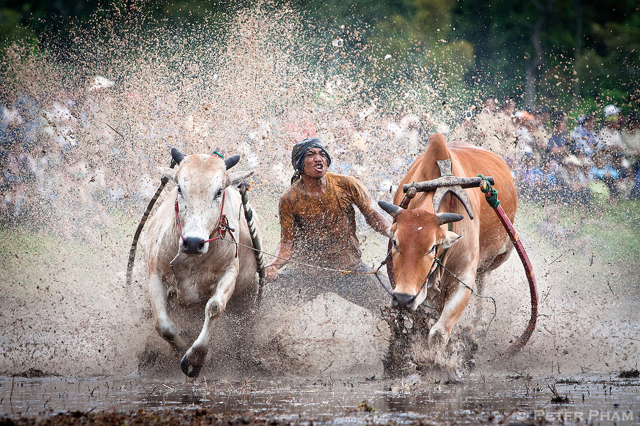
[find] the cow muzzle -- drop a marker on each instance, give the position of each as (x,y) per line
(193,245)
(402,301)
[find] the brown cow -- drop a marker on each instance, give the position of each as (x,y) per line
(418,235)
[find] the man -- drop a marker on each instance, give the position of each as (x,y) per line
(559,141)
(317,218)
(583,137)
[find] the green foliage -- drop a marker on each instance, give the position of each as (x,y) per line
(588,51)
(611,228)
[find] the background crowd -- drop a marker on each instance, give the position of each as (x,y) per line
(60,160)
(555,158)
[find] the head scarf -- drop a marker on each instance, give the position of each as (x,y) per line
(299,152)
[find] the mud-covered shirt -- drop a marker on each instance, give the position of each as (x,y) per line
(322,230)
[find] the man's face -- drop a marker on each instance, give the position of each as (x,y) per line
(315,163)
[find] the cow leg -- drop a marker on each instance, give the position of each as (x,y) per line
(164,325)
(480,283)
(194,358)
(457,300)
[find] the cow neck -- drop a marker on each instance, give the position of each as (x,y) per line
(438,259)
(221,228)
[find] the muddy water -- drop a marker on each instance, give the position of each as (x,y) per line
(600,399)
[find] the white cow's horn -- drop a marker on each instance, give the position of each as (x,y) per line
(392,209)
(231,161)
(448,218)
(177,155)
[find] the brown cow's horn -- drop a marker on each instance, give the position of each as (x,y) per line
(392,209)
(448,218)
(177,155)
(231,161)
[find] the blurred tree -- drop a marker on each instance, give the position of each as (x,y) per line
(545,51)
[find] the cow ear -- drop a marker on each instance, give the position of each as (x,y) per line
(168,172)
(448,238)
(236,177)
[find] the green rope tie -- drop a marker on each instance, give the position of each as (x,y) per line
(487,189)
(218,154)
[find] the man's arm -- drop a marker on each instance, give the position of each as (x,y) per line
(283,253)
(378,222)
(361,198)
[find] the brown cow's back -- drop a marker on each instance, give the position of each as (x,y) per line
(468,161)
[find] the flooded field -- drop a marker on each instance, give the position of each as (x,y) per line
(480,399)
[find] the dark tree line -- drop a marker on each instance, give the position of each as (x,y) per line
(570,53)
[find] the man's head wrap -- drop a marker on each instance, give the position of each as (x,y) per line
(300,151)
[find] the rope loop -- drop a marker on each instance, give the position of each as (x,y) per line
(491,194)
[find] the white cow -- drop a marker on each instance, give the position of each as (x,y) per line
(190,246)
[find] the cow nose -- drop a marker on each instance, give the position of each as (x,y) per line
(402,301)
(193,245)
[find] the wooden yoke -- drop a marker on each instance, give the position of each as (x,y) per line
(444,184)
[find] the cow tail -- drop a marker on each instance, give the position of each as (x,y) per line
(255,239)
(143,220)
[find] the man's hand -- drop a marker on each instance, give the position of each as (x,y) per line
(271,274)
(283,253)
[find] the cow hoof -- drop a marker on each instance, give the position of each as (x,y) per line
(189,369)
(436,340)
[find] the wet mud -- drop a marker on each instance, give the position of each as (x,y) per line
(512,399)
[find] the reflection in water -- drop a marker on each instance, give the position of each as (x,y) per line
(473,400)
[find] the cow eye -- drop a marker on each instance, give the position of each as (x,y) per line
(394,243)
(179,190)
(218,194)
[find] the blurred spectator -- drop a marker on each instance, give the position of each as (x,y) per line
(604,172)
(559,141)
(583,137)
(10,122)
(59,123)
(529,178)
(609,139)
(572,182)
(540,134)
(523,133)
(630,135)
(631,149)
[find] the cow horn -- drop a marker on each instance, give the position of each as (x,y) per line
(231,161)
(392,209)
(177,155)
(448,218)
